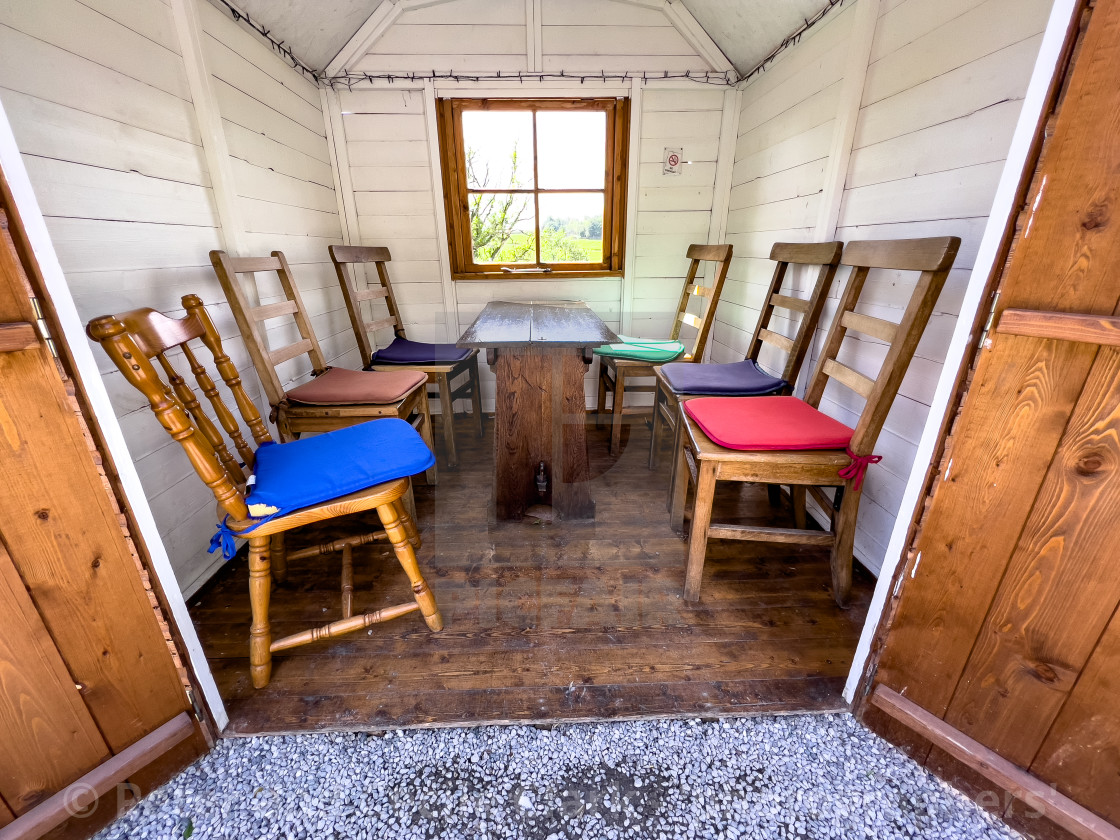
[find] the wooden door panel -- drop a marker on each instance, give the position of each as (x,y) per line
(62,531)
(1081,753)
(1061,587)
(6,815)
(1016,411)
(50,738)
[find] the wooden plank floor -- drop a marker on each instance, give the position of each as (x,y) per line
(546,621)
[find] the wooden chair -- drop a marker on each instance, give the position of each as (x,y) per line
(614,369)
(678,381)
(335,397)
(758,432)
(133,339)
(442,363)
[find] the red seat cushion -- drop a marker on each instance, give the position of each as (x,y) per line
(339,386)
(767,423)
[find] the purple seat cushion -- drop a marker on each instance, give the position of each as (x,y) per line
(736,379)
(405,352)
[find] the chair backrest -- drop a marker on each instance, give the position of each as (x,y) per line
(132,339)
(721,256)
(933,257)
(249,318)
(827,256)
(344,255)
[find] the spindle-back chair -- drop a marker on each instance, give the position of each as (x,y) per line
(132,340)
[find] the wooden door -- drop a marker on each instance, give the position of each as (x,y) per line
(89,691)
(1000,666)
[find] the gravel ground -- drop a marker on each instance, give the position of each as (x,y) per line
(798,776)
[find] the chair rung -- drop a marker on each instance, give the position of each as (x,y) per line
(855,380)
(273,310)
(374,326)
(702,291)
(342,627)
(866,324)
(690,319)
(337,545)
(372,293)
(278,357)
(787,302)
(774,535)
(821,499)
(777,339)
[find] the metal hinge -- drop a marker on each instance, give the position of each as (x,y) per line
(44,330)
(198,714)
(990,320)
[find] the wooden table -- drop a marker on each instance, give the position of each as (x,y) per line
(539,352)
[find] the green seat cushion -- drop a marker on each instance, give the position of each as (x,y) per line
(649,350)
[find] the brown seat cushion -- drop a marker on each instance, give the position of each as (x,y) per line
(339,386)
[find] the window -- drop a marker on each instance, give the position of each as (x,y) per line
(534,187)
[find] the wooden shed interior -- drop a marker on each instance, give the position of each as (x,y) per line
(139,137)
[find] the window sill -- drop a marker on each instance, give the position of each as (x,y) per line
(503,277)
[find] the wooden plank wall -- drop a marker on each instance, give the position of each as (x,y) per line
(386,142)
(96,92)
(943,90)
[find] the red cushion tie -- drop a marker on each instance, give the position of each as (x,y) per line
(858,468)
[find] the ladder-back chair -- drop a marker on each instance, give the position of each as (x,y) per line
(335,397)
(784,440)
(296,483)
(635,357)
(678,381)
(441,363)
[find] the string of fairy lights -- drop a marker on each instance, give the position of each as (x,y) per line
(349,79)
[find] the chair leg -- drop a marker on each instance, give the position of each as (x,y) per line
(347,581)
(617,403)
(797,495)
(409,525)
(678,489)
(476,395)
(674,474)
(431,477)
(655,432)
(407,558)
(601,403)
(448,410)
(843,542)
(698,533)
(260,633)
(279,558)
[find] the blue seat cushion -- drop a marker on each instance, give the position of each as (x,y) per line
(312,470)
(405,352)
(736,379)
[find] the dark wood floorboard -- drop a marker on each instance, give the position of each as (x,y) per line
(545,622)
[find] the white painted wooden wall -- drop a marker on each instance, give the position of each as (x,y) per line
(386,139)
(99,101)
(943,88)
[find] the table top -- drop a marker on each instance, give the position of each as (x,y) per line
(557,323)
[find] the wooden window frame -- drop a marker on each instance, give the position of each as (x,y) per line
(456,197)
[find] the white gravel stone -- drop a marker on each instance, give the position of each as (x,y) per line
(817,776)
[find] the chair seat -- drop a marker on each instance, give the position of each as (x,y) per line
(642,350)
(405,352)
(736,379)
(767,423)
(291,476)
(339,386)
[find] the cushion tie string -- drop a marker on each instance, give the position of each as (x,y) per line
(224,538)
(858,468)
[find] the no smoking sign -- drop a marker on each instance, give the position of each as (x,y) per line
(671,164)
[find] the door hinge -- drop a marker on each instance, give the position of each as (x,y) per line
(195,706)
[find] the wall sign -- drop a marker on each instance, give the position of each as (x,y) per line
(672,163)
